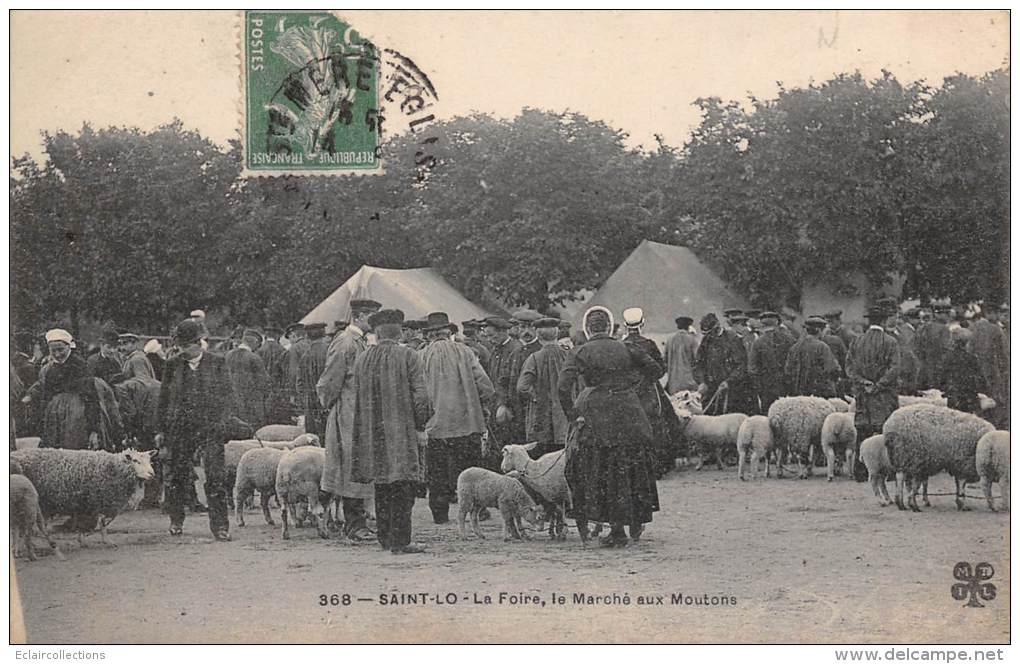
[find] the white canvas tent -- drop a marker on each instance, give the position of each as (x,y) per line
(417,292)
(666,281)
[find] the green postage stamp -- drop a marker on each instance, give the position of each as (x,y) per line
(311,90)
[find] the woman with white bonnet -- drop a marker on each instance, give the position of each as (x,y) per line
(610,472)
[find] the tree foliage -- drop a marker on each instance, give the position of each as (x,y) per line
(840,177)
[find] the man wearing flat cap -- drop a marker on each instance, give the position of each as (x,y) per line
(311,365)
(834,318)
(336,392)
(459,392)
(504,369)
(195,415)
(471,340)
(545,422)
(932,345)
(767,361)
(811,369)
(299,344)
(106,364)
(390,408)
(136,363)
(249,379)
(721,370)
(873,366)
(274,358)
(681,352)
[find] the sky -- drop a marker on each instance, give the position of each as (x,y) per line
(637,71)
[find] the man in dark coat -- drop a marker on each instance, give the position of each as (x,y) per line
(839,351)
(249,379)
(991,348)
(681,351)
(471,328)
(195,405)
(136,364)
(811,369)
(721,370)
(390,409)
(503,370)
(908,361)
(767,361)
(873,365)
(545,422)
(932,343)
(299,345)
(835,320)
(274,358)
(961,377)
(107,363)
(311,366)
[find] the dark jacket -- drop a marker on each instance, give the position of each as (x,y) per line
(874,356)
(195,405)
(961,380)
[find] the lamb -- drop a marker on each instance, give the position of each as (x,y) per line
(925,439)
(89,483)
(256,470)
(235,449)
(839,433)
(279,432)
(796,424)
(711,434)
(875,457)
(26,517)
(547,477)
(755,437)
(478,488)
(298,475)
(992,460)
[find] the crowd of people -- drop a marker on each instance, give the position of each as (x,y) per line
(404,406)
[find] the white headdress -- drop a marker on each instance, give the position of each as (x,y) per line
(57,334)
(584,320)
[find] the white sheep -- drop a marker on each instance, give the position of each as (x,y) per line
(478,488)
(26,517)
(86,483)
(924,439)
(298,476)
(796,424)
(256,471)
(754,437)
(546,475)
(279,432)
(992,460)
(842,405)
(932,396)
(233,451)
(710,434)
(875,457)
(839,433)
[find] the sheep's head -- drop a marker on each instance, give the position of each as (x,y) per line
(142,463)
(515,457)
(307,440)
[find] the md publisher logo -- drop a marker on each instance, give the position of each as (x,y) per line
(973,586)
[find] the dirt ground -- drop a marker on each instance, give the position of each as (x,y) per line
(780,561)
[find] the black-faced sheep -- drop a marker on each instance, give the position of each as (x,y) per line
(86,483)
(478,488)
(992,461)
(925,439)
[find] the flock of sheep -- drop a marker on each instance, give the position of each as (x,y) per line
(920,439)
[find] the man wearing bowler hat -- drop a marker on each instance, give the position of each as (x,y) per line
(195,408)
(873,366)
(337,393)
(721,370)
(390,408)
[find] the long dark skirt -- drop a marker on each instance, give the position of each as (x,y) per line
(610,484)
